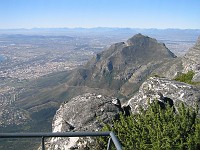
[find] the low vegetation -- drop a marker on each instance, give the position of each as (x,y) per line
(156,128)
(186,77)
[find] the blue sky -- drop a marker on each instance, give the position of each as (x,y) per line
(183,14)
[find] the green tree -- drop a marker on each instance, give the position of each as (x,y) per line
(156,128)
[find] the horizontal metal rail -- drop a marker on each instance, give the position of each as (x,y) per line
(63,134)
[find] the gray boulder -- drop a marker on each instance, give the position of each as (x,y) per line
(87,112)
(151,89)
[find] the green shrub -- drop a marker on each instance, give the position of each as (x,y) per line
(157,129)
(186,77)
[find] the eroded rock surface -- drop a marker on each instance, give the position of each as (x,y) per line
(177,91)
(191,61)
(83,113)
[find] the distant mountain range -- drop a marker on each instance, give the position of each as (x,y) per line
(101,30)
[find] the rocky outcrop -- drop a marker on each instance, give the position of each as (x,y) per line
(87,112)
(176,91)
(191,61)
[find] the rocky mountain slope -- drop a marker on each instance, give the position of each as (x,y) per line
(189,62)
(123,65)
(177,91)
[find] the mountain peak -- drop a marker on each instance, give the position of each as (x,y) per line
(139,35)
(140,39)
(142,44)
(123,65)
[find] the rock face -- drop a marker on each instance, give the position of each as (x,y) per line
(176,91)
(83,113)
(191,60)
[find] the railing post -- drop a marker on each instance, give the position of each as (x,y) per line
(115,141)
(43,145)
(109,144)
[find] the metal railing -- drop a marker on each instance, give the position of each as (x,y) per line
(65,134)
